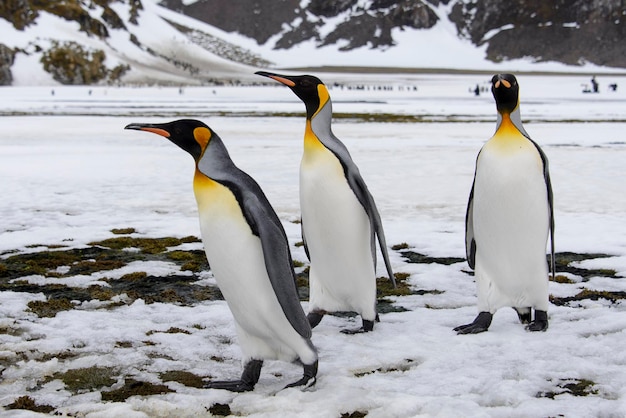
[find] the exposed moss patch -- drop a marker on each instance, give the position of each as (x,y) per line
(49,308)
(413,257)
(220,409)
(354,414)
(564,259)
(384,286)
(184,378)
(612,297)
(37,263)
(402,246)
(176,330)
(407,364)
(171,330)
(70,63)
(574,387)
(123,231)
(87,379)
(146,245)
(559,278)
(192,260)
(28,403)
(134,276)
(134,388)
(106,255)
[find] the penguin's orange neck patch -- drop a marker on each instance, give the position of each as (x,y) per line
(201,181)
(507,138)
(506,126)
(311,142)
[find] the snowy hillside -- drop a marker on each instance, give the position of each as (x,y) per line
(153,44)
(156,50)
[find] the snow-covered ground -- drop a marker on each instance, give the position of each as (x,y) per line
(70,173)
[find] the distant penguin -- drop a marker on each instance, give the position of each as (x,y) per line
(509,217)
(340,220)
(249,255)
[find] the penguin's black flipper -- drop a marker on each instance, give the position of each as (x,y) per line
(480,324)
(546,176)
(470,242)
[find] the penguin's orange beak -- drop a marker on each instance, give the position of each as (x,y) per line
(140,127)
(281,79)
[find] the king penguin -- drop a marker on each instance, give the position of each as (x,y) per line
(509,217)
(340,221)
(248,252)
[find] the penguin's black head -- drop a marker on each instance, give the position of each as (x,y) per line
(308,88)
(506,92)
(191,135)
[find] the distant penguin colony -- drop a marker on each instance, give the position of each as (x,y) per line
(237,223)
(340,221)
(509,218)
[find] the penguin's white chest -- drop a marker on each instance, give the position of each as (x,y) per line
(337,232)
(511,221)
(236,259)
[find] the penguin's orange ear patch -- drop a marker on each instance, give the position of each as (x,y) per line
(202,136)
(157,131)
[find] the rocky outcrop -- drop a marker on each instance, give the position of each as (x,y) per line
(7,55)
(568,31)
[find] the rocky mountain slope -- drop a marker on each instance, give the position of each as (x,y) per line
(213,41)
(112,41)
(568,31)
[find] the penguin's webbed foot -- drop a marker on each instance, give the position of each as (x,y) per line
(249,377)
(367,327)
(230,385)
(480,324)
(540,323)
(308,379)
(315,318)
(524,315)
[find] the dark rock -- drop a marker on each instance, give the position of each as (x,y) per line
(7,56)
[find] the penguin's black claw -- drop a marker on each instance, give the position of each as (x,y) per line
(540,323)
(230,385)
(314,318)
(480,324)
(353,331)
(367,327)
(308,379)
